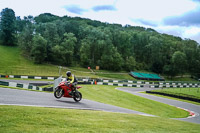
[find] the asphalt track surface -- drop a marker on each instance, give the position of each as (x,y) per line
(43,99)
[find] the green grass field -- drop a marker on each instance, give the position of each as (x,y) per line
(109,95)
(173,98)
(190,92)
(20,119)
(13,63)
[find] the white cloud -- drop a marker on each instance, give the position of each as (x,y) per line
(133,12)
(154,9)
(183,32)
(191,31)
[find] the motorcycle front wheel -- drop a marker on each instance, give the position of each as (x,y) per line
(58,93)
(77,96)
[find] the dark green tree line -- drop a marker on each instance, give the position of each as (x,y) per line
(8,27)
(68,41)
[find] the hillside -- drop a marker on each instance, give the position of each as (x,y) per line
(12,62)
(73,41)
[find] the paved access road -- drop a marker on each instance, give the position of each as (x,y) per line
(184,105)
(43,99)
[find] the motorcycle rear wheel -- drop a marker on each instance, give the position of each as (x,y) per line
(77,96)
(58,93)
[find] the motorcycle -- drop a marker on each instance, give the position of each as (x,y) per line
(64,89)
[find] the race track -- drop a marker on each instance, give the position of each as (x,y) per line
(184,105)
(43,99)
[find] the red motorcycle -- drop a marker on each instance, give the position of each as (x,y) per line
(64,89)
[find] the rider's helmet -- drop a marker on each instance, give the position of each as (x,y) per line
(68,73)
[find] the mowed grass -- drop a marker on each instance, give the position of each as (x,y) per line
(50,120)
(190,92)
(109,95)
(13,63)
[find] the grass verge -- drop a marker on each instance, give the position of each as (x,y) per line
(13,63)
(47,120)
(192,94)
(173,98)
(109,95)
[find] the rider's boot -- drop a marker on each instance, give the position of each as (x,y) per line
(71,93)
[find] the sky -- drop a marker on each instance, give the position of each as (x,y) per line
(175,17)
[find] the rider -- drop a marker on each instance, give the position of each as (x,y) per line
(72,79)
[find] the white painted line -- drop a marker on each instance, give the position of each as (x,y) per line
(79,108)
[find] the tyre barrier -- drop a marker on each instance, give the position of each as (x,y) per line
(123,85)
(19,85)
(126,81)
(27,77)
(174,86)
(178,83)
(175,96)
(129,83)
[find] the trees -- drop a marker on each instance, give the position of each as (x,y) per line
(38,50)
(179,62)
(25,39)
(111,59)
(67,41)
(130,63)
(8,29)
(64,52)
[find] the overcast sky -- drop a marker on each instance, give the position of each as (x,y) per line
(175,17)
